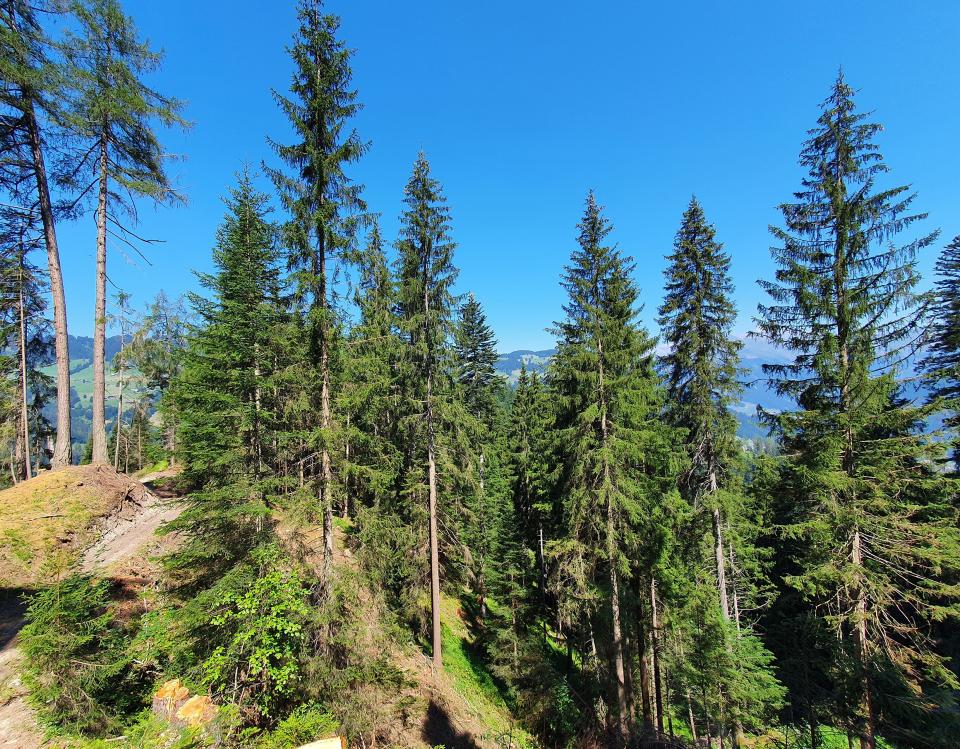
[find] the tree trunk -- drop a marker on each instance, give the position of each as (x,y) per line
(24,409)
(623,706)
(98,425)
(326,470)
(623,702)
(434,545)
(655,653)
(63,448)
(642,650)
(861,644)
(432,486)
(119,419)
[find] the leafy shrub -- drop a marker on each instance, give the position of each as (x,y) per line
(305,724)
(78,670)
(257,623)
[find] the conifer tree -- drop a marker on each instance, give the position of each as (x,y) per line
(877,529)
(531,467)
(603,374)
(701,370)
(31,88)
(370,393)
(942,360)
(114,113)
(324,205)
(426,304)
(480,389)
(224,392)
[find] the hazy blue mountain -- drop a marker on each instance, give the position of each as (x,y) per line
(756,393)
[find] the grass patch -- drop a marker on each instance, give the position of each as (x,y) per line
(46,521)
(472,680)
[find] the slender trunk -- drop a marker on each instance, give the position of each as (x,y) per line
(432,485)
(655,653)
(24,409)
(623,707)
(98,425)
(481,582)
(720,560)
(434,545)
(119,419)
(693,723)
(63,448)
(861,644)
(718,554)
(326,470)
(646,703)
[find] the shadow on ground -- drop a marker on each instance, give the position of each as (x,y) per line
(13,609)
(437,729)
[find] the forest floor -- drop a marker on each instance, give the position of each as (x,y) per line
(89,517)
(92,519)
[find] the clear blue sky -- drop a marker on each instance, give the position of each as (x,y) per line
(523,106)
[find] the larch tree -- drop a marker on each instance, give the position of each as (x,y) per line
(877,525)
(425,274)
(31,87)
(25,337)
(324,205)
(114,113)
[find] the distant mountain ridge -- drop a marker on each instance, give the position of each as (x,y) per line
(755,391)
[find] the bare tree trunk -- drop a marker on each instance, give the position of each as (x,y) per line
(24,409)
(119,419)
(623,706)
(861,643)
(434,541)
(646,703)
(98,426)
(63,448)
(655,653)
(326,469)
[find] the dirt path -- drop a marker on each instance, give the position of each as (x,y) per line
(131,531)
(127,535)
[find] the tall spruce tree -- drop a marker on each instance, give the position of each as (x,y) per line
(942,361)
(603,374)
(531,468)
(878,529)
(325,207)
(481,390)
(426,306)
(114,113)
(696,319)
(701,377)
(31,90)
(223,393)
(369,397)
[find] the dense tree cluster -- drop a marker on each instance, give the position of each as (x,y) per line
(633,573)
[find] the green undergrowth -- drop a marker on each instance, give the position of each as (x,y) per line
(473,681)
